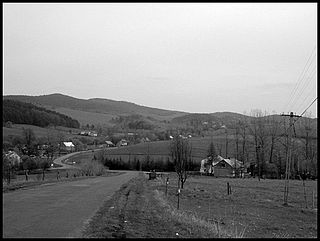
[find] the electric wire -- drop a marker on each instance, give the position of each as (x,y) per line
(304,83)
(300,79)
(304,87)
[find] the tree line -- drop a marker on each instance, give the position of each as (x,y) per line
(26,113)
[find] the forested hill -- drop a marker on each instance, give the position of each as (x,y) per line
(25,113)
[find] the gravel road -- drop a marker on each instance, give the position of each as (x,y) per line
(56,210)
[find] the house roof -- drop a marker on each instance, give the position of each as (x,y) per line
(232,162)
(13,156)
(68,144)
(109,142)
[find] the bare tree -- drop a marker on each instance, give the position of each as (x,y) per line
(273,132)
(243,126)
(259,133)
(181,153)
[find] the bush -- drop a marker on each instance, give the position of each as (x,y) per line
(93,167)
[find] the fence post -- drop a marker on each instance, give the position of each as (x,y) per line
(228,188)
(178,197)
(167,182)
(312,199)
(304,191)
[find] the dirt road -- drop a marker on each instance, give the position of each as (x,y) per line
(57,209)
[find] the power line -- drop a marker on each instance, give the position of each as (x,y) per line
(306,109)
(300,78)
(307,83)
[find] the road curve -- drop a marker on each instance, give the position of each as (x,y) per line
(63,165)
(57,210)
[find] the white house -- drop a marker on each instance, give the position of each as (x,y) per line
(14,158)
(109,144)
(221,166)
(68,145)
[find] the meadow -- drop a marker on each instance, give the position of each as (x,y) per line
(254,208)
(160,150)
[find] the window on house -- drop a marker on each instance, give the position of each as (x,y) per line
(223,165)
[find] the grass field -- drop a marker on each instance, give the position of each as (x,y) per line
(160,149)
(255,207)
(140,209)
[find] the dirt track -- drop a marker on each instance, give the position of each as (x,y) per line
(57,209)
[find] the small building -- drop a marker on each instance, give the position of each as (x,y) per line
(228,168)
(13,157)
(109,144)
(221,167)
(68,146)
(122,142)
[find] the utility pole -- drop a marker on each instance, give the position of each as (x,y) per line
(288,162)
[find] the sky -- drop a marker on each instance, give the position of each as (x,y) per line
(193,57)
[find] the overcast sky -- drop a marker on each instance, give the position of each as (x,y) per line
(193,57)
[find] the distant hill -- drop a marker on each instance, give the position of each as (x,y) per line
(25,113)
(129,115)
(96,110)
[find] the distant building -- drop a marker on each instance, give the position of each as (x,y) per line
(122,142)
(14,158)
(68,146)
(88,133)
(109,144)
(221,167)
(145,139)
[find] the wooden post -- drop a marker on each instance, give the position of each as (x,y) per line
(312,199)
(178,197)
(228,188)
(167,182)
(304,191)
(26,173)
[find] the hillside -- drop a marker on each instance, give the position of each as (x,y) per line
(103,110)
(126,116)
(25,113)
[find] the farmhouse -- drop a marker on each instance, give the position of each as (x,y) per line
(228,168)
(68,146)
(221,167)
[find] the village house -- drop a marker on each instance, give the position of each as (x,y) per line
(222,167)
(14,158)
(68,146)
(109,144)
(122,142)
